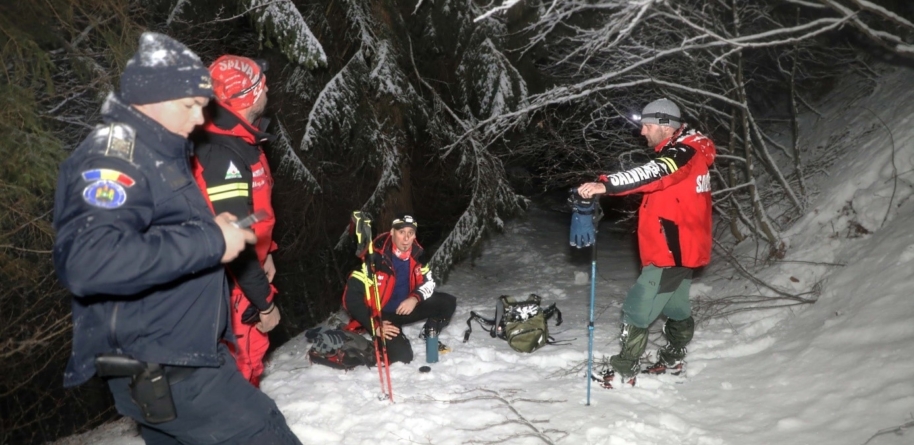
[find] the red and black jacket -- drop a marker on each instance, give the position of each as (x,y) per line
(360,286)
(674,219)
(232,170)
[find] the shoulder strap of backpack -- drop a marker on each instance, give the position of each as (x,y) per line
(553,310)
(503,301)
(484,322)
(548,313)
(552,341)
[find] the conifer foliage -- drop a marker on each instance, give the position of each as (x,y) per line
(388,115)
(56,64)
(414,105)
(281,20)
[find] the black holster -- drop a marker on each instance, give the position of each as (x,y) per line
(149,386)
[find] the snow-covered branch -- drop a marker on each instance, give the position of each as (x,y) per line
(504,7)
(289,161)
(281,20)
(491,197)
(335,104)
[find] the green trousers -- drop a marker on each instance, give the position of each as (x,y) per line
(658,291)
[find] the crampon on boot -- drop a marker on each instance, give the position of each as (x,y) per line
(670,361)
(660,368)
(610,380)
(670,358)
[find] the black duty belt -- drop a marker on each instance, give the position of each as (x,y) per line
(121,365)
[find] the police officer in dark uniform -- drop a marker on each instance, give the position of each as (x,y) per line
(142,253)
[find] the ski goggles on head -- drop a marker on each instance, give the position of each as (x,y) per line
(404,221)
(264,66)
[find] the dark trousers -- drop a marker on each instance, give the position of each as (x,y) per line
(214,406)
(440,307)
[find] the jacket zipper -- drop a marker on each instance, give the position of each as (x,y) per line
(216,324)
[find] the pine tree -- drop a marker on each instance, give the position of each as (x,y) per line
(379,109)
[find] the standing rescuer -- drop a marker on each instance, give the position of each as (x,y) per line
(674,238)
(142,253)
(232,170)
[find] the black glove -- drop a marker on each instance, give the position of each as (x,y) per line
(251,315)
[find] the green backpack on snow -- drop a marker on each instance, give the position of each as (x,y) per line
(522,323)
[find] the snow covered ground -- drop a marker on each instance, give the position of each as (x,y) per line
(840,371)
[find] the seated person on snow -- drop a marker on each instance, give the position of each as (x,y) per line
(405,286)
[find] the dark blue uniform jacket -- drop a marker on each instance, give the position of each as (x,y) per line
(137,246)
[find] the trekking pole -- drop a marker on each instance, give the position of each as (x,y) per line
(596,215)
(593,289)
(365,249)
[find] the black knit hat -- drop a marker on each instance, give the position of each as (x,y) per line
(163,69)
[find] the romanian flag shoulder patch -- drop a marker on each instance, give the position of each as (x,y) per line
(107,188)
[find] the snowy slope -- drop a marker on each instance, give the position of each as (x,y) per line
(840,371)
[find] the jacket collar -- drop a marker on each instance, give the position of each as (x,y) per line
(672,139)
(383,244)
(225,121)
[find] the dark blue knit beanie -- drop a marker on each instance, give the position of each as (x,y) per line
(163,69)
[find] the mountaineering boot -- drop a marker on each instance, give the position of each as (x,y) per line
(660,367)
(670,358)
(433,324)
(626,365)
(612,380)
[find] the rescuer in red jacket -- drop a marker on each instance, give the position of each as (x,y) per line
(674,238)
(232,170)
(405,287)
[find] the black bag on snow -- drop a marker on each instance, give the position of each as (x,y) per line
(339,349)
(523,324)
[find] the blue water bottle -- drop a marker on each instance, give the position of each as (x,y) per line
(431,345)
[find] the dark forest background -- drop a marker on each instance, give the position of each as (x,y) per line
(451,109)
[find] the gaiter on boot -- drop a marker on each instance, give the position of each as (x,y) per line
(678,334)
(634,341)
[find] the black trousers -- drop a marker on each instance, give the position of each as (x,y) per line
(214,406)
(439,307)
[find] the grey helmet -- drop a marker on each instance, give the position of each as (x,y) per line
(662,112)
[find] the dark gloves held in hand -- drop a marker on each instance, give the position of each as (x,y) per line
(581,205)
(583,232)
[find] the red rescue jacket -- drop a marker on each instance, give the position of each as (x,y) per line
(421,284)
(232,170)
(674,219)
